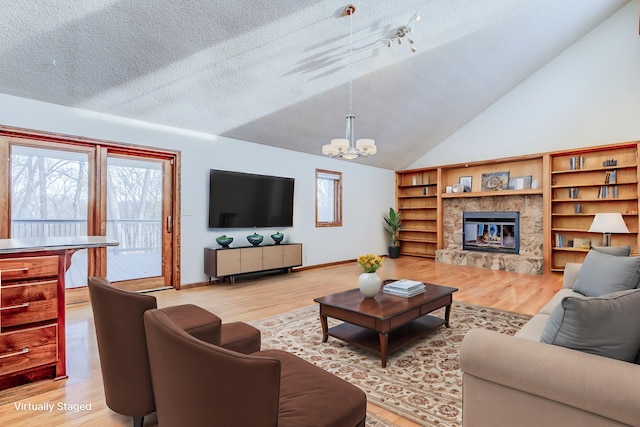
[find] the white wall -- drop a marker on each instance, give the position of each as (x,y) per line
(368,192)
(589,95)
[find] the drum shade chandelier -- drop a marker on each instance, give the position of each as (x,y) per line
(403,33)
(348,148)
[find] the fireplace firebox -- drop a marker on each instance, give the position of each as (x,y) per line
(491,232)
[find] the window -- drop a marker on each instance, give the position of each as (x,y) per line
(328,198)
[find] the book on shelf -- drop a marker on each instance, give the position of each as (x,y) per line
(602,194)
(576,162)
(573,193)
(559,241)
(610,177)
(608,192)
(582,243)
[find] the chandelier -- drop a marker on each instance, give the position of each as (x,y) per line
(403,32)
(348,148)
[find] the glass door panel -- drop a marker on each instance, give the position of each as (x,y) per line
(49,197)
(134,218)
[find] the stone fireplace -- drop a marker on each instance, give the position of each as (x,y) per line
(529,256)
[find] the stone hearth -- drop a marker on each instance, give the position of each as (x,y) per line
(530,258)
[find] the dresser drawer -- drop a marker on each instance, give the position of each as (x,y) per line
(21,304)
(27,268)
(28,349)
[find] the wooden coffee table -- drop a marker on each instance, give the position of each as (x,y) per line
(385,323)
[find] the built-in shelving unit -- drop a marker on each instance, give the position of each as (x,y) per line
(420,195)
(417,193)
(584,183)
(574,186)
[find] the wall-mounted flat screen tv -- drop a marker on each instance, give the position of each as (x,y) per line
(244,200)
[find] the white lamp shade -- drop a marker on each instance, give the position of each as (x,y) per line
(608,223)
(330,150)
(364,144)
(340,143)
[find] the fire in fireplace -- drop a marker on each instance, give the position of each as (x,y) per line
(491,231)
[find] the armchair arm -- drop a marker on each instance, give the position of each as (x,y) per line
(595,384)
(197,383)
(196,321)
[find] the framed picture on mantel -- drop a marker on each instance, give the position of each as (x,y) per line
(520,182)
(466,181)
(495,181)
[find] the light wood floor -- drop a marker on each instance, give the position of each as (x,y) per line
(249,300)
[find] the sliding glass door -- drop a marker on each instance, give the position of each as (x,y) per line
(134,218)
(56,186)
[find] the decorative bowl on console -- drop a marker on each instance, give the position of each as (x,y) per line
(255,239)
(277,237)
(224,241)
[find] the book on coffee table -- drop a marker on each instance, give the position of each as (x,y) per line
(402,294)
(404,288)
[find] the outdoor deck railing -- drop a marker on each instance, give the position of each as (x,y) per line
(132,235)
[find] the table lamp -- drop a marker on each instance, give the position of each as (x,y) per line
(607,223)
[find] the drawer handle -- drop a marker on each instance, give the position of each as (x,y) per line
(6,270)
(27,284)
(17,353)
(13,307)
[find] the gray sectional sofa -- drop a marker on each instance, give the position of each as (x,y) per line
(587,370)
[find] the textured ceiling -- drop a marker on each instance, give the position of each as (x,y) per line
(277,73)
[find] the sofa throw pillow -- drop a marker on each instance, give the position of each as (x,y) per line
(607,326)
(613,250)
(602,274)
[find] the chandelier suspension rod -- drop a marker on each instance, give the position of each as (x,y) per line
(349,148)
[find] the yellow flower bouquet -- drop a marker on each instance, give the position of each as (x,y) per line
(370,263)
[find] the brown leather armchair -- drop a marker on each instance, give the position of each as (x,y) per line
(196,384)
(122,345)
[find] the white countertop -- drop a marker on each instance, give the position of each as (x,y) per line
(34,244)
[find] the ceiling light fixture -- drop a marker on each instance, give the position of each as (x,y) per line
(403,32)
(348,148)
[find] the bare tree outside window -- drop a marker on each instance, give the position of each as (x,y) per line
(49,198)
(48,184)
(134,218)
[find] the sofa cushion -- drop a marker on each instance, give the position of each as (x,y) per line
(602,274)
(607,326)
(613,250)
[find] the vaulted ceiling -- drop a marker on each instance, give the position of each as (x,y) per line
(277,72)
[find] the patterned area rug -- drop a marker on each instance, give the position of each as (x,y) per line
(421,382)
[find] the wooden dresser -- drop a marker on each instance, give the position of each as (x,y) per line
(32,306)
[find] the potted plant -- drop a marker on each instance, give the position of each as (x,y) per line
(393,223)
